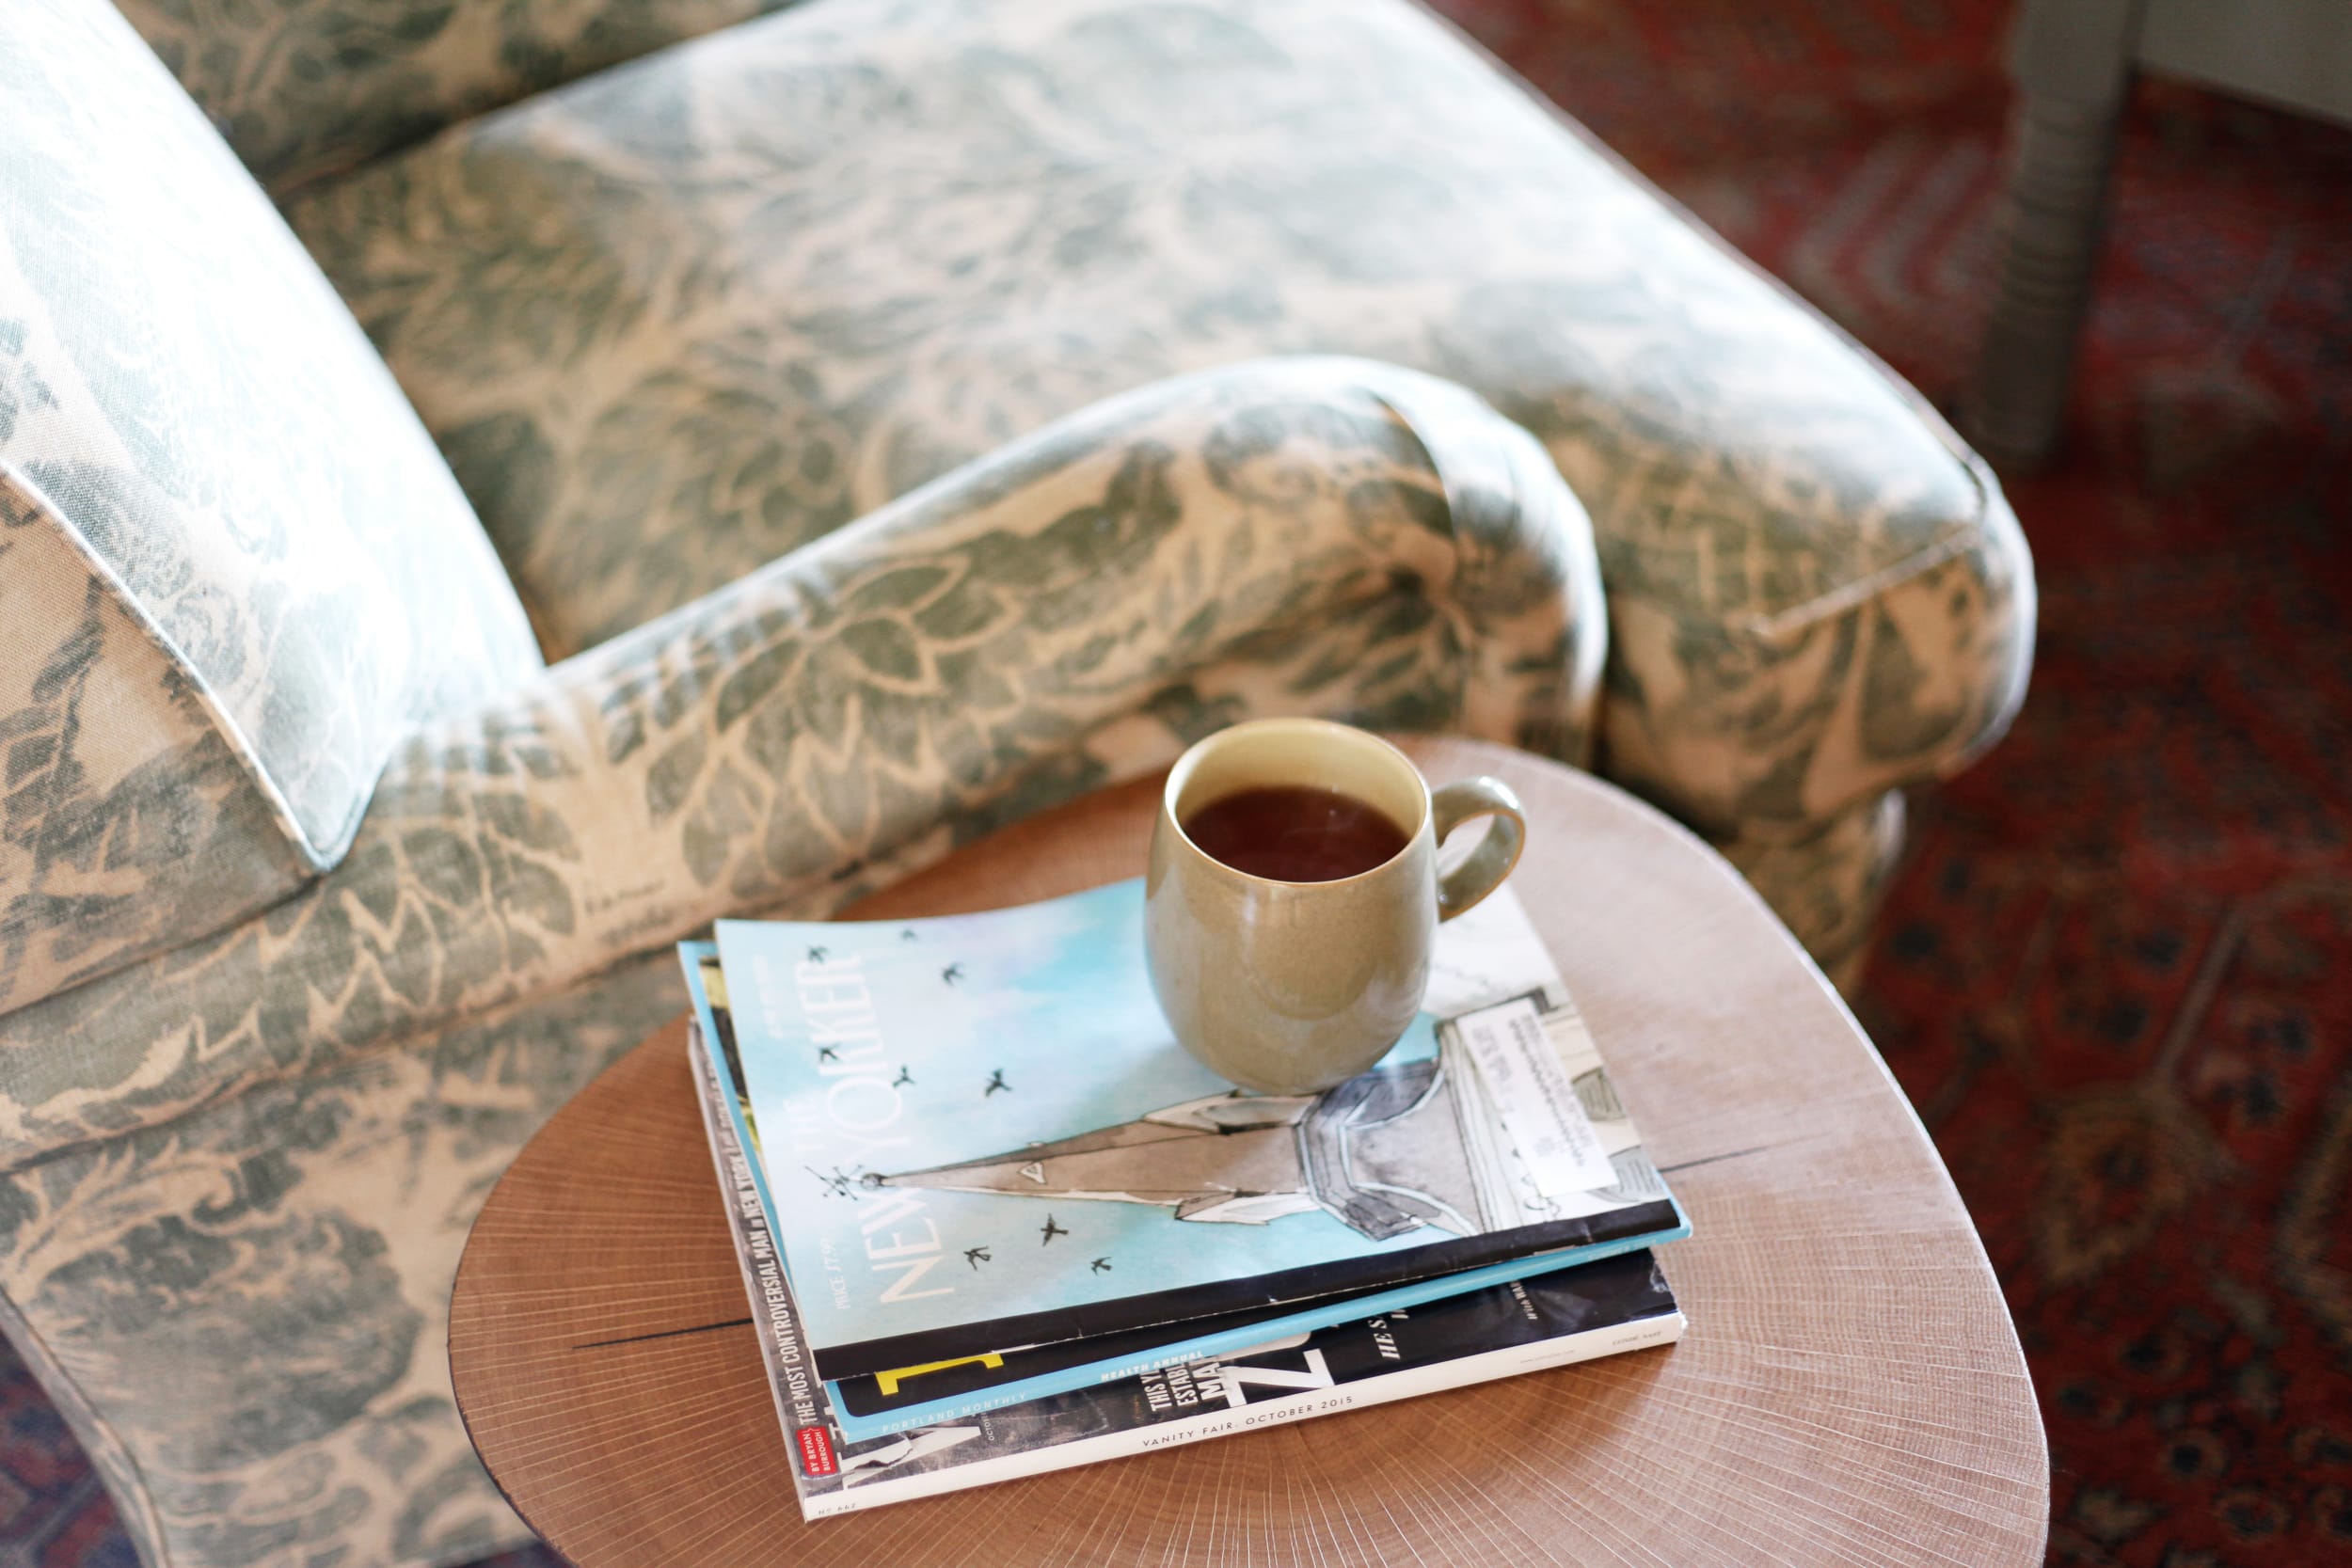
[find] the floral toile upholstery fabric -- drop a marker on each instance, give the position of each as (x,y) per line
(866,404)
(305,87)
(229,511)
(243,1312)
(1325,534)
(685,315)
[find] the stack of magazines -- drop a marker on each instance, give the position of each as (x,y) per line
(994,1221)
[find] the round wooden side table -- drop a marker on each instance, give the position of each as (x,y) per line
(1849,1390)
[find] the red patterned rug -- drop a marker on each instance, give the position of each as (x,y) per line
(2117,976)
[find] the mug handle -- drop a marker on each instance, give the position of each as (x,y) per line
(1450,806)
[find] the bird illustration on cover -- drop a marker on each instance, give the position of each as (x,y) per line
(1039,1097)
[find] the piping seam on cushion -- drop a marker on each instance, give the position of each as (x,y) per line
(1861,591)
(13,479)
(85,1412)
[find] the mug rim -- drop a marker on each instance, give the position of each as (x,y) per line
(1180,771)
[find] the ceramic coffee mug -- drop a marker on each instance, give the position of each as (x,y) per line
(1293,986)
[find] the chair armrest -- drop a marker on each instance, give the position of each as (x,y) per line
(1316,535)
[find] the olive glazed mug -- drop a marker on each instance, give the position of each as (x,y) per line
(1290,988)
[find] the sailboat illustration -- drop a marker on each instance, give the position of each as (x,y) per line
(1386,1153)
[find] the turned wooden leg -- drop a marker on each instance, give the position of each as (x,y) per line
(2071,61)
(2051,218)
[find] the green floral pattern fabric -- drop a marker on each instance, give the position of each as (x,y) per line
(245,1314)
(1315,535)
(185,400)
(249,1167)
(128,823)
(303,88)
(667,328)
(1829,882)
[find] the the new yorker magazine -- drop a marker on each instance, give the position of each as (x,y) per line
(977,1134)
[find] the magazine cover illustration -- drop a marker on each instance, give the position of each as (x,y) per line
(980,1130)
(903,1398)
(1550,1320)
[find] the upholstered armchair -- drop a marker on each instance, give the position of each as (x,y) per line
(802,449)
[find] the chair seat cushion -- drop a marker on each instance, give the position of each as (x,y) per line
(678,319)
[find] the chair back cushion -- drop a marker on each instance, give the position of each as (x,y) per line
(305,87)
(232,567)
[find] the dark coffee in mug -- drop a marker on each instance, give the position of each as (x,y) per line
(1288,928)
(1295,833)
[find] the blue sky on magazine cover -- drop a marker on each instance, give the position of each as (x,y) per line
(878,1053)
